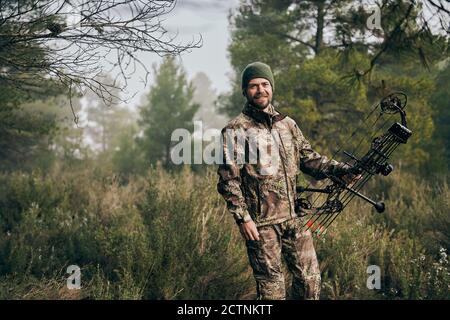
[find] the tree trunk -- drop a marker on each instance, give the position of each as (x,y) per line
(320,25)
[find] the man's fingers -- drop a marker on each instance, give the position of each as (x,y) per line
(249,231)
(249,234)
(246,235)
(350,178)
(242,231)
(356,178)
(255,234)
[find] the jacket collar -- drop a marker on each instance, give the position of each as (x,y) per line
(268,118)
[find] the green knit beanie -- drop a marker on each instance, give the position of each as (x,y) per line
(257,70)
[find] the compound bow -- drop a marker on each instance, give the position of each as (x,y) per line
(375,161)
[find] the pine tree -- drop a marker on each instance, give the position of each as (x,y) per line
(169,107)
(330,68)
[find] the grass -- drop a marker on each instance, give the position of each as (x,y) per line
(168,236)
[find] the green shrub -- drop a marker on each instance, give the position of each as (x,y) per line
(155,237)
(169,236)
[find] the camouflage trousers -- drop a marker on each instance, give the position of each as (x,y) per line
(284,240)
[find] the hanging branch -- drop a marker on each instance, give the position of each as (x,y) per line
(76,41)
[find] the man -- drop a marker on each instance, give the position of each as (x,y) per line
(260,194)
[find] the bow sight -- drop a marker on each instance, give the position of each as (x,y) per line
(375,161)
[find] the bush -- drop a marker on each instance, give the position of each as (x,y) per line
(169,236)
(408,243)
(197,253)
(152,238)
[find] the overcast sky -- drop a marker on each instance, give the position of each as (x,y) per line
(190,18)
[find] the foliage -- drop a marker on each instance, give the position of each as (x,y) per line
(169,107)
(140,231)
(441,113)
(405,242)
(128,241)
(169,236)
(330,68)
(32,129)
(73,42)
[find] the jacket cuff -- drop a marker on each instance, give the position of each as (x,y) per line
(342,169)
(242,219)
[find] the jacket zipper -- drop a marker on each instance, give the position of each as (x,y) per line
(284,167)
(285,175)
(259,199)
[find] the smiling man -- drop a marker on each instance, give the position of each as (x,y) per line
(262,203)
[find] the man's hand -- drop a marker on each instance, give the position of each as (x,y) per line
(351,178)
(249,231)
(348,174)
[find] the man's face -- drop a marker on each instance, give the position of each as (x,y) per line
(259,92)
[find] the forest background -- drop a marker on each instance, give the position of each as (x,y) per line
(104,195)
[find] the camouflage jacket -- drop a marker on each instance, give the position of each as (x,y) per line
(264,190)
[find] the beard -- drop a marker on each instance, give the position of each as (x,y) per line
(261,105)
